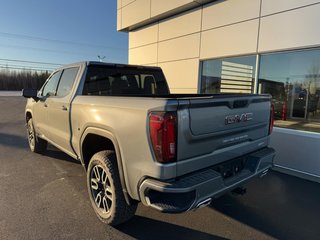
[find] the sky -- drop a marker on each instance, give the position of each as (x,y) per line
(59,32)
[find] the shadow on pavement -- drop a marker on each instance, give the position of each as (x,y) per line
(279,205)
(16,141)
(145,228)
(11,140)
(59,155)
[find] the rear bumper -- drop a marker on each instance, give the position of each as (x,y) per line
(192,190)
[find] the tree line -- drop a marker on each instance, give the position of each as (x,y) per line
(13,80)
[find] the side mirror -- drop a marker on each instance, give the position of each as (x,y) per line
(30,93)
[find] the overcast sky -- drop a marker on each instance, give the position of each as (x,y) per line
(60,31)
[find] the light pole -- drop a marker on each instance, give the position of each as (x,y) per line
(101,58)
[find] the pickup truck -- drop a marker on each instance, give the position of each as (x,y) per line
(139,143)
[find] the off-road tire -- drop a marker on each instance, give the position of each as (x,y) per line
(118,211)
(36,144)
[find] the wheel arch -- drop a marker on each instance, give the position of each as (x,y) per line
(94,140)
(28,115)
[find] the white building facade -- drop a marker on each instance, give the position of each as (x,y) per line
(247,46)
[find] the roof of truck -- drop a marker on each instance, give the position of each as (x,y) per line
(87,63)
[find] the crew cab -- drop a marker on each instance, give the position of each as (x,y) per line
(139,143)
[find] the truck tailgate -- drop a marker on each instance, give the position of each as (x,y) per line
(217,129)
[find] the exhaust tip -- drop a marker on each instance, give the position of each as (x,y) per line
(204,203)
(264,173)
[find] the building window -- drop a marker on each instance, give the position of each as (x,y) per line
(228,75)
(293,80)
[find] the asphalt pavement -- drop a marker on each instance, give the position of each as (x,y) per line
(45,197)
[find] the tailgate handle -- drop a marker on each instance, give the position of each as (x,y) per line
(240,103)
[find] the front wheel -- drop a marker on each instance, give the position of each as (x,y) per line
(36,144)
(105,190)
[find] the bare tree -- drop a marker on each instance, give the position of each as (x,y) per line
(18,80)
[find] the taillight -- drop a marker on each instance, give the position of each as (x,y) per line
(271,119)
(162,127)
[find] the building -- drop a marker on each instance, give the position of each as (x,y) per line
(247,46)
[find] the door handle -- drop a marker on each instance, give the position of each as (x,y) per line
(45,105)
(64,108)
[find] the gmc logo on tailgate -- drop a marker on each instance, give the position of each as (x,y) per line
(244,117)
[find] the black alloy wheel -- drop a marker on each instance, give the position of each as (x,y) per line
(105,189)
(101,189)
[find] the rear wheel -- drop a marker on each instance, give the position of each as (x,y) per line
(36,144)
(105,190)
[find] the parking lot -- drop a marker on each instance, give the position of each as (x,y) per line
(45,197)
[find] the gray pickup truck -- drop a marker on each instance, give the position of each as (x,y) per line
(139,143)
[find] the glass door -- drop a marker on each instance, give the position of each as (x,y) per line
(298,99)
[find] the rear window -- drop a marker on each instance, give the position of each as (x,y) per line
(130,81)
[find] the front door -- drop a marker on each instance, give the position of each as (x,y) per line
(40,108)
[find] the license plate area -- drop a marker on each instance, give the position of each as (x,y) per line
(231,168)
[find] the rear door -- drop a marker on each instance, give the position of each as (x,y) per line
(213,130)
(59,130)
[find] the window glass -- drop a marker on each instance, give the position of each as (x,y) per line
(293,80)
(109,80)
(228,75)
(50,88)
(66,81)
